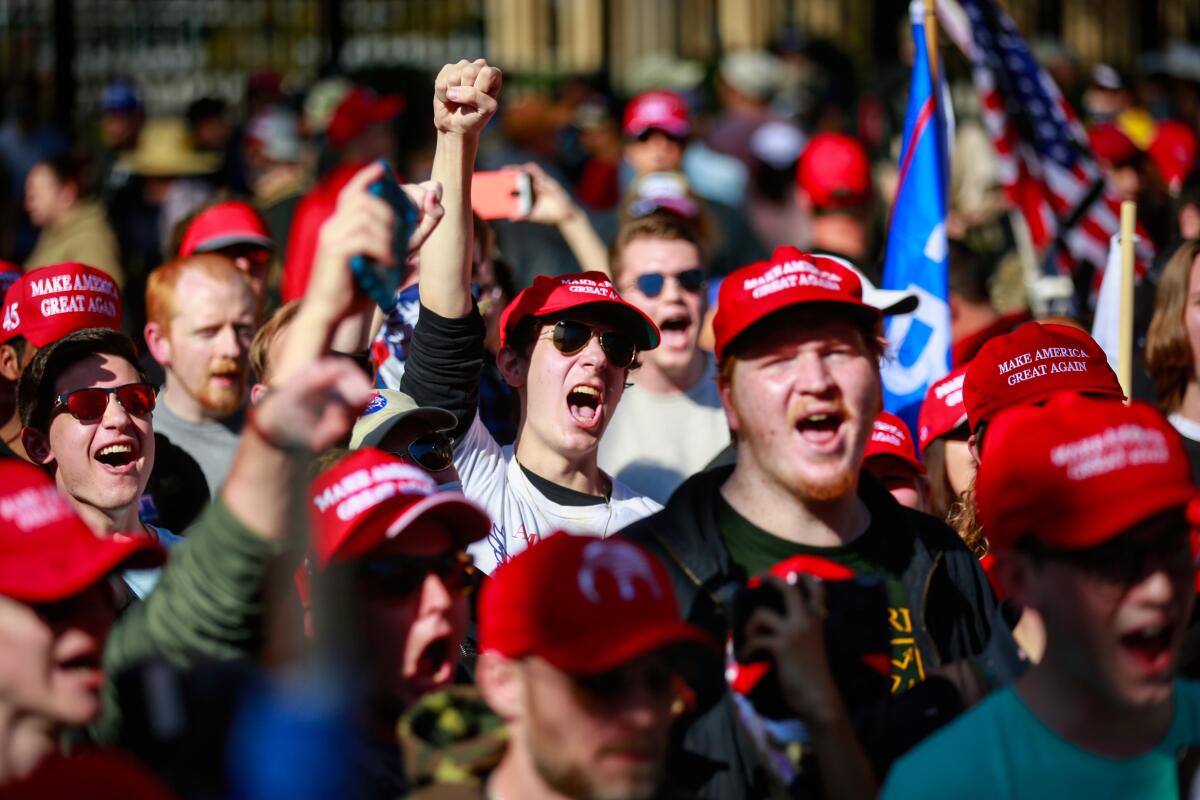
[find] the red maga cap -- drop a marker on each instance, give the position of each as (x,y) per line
(360,109)
(372,498)
(1032,363)
(551,294)
(1173,151)
(47,553)
(584,604)
(835,172)
(943,410)
(1110,144)
(223,225)
(658,111)
(48,303)
(890,438)
(1079,471)
(790,278)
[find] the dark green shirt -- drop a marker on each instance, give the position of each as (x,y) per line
(756,551)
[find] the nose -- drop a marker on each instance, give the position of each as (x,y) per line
(645,707)
(1158,587)
(593,354)
(228,344)
(115,415)
(813,375)
(436,596)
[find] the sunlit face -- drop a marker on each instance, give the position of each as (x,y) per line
(209,341)
(602,738)
(50,657)
(1118,631)
(103,464)
(899,477)
(676,311)
(802,399)
(960,465)
(654,151)
(43,195)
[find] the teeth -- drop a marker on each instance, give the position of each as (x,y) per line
(587,390)
(115,448)
(1151,633)
(818,418)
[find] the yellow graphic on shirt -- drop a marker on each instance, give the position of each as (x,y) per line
(907,668)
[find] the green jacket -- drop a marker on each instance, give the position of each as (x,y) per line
(208,605)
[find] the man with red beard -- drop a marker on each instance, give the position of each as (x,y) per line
(201,313)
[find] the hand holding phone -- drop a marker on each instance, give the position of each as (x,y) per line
(377,280)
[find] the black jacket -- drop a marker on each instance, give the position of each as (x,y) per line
(948,593)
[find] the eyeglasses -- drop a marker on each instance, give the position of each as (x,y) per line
(256,254)
(88,405)
(652,283)
(400,576)
(1124,563)
(570,336)
(432,452)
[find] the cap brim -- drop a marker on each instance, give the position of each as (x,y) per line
(860,311)
(231,239)
(585,658)
(33,578)
(678,131)
(466,521)
(1149,504)
(438,419)
(891,302)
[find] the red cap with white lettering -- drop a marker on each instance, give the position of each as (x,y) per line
(943,411)
(372,498)
(890,438)
(584,604)
(1079,471)
(1032,363)
(551,294)
(46,304)
(790,278)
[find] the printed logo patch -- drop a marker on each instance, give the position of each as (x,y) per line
(378,403)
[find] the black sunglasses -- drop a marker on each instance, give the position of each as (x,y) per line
(652,283)
(88,405)
(570,336)
(433,452)
(401,576)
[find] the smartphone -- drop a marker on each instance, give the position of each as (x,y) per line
(502,194)
(380,281)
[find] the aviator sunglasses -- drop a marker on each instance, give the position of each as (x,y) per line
(570,336)
(652,283)
(89,405)
(401,576)
(432,452)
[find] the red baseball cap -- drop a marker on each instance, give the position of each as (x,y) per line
(790,278)
(1032,363)
(1111,144)
(890,438)
(550,294)
(1079,471)
(223,225)
(371,498)
(659,111)
(943,410)
(1173,151)
(48,303)
(360,109)
(47,552)
(835,171)
(584,604)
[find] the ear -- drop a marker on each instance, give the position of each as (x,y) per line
(499,681)
(37,446)
(256,393)
(10,364)
(955,307)
(514,367)
(158,343)
(725,391)
(1015,572)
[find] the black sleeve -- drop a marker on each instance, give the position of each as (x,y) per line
(444,362)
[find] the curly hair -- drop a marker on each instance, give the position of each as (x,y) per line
(1169,358)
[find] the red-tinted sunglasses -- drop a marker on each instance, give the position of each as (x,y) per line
(88,405)
(256,254)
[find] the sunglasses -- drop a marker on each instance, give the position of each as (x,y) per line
(399,577)
(88,405)
(433,452)
(652,283)
(256,254)
(570,336)
(1123,563)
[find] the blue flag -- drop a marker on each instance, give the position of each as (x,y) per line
(916,259)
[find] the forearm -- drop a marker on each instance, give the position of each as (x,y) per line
(445,276)
(308,338)
(586,245)
(261,487)
(846,773)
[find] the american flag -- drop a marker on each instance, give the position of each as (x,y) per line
(1046,167)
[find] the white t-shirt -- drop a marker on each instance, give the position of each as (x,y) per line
(520,513)
(655,441)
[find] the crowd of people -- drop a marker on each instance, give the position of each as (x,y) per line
(315,481)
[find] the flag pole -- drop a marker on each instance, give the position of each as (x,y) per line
(1125,349)
(931,43)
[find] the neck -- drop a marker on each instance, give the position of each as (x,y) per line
(1074,710)
(840,233)
(107,521)
(572,472)
(11,433)
(1190,407)
(652,377)
(182,404)
(779,511)
(24,743)
(516,778)
(971,318)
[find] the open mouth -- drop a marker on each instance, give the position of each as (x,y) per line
(584,403)
(434,665)
(675,331)
(116,455)
(820,428)
(1150,647)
